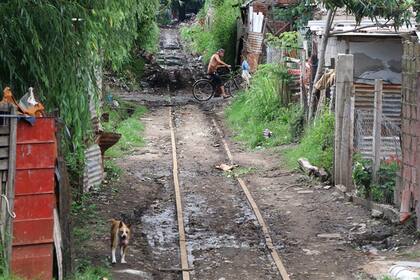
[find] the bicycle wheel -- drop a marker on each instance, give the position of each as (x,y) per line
(239,82)
(203,90)
(231,87)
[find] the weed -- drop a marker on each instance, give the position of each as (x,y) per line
(131,71)
(316,144)
(259,108)
(221,33)
(239,171)
(84,214)
(411,255)
(130,129)
(88,272)
(113,171)
(383,190)
(387,278)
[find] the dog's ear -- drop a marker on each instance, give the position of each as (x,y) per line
(121,224)
(129,226)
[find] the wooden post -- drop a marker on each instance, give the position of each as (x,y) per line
(10,186)
(64,205)
(343,148)
(377,129)
(303,93)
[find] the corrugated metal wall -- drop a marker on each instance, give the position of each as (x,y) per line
(364,106)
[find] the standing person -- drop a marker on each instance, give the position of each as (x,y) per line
(245,71)
(215,63)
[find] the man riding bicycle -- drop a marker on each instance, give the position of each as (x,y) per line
(214,64)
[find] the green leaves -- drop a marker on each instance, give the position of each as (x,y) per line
(399,11)
(55,46)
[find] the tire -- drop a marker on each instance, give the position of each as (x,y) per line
(203,90)
(239,82)
(231,87)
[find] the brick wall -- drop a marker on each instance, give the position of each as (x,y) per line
(408,193)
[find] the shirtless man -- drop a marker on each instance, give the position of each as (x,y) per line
(215,63)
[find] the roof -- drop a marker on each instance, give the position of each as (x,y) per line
(366,27)
(269,2)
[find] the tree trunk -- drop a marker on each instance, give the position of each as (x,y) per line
(321,60)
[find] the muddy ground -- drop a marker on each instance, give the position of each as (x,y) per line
(316,232)
(223,236)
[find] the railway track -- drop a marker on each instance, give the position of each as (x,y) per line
(196,226)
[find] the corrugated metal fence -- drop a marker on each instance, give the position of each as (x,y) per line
(391,120)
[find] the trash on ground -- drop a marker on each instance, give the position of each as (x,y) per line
(267,133)
(226,167)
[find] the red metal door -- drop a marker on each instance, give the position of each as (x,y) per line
(32,252)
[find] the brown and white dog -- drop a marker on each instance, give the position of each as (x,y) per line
(120,236)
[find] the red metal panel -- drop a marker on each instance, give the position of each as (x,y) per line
(42,131)
(33,231)
(32,255)
(33,262)
(35,156)
(34,181)
(34,207)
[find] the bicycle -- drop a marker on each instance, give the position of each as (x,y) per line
(204,90)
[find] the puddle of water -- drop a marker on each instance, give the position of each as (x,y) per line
(160,228)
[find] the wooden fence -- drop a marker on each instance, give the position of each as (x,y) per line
(7,177)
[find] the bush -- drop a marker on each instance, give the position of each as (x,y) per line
(317,144)
(259,108)
(383,190)
(220,34)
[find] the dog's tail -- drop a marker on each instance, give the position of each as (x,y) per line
(112,220)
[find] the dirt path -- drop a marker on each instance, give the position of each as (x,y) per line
(317,234)
(223,234)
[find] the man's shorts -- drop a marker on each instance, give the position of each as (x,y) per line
(216,80)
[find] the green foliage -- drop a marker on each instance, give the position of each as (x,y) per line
(130,128)
(399,11)
(259,108)
(297,126)
(92,273)
(85,215)
(113,171)
(287,40)
(206,40)
(383,190)
(56,46)
(297,14)
(131,72)
(316,145)
(362,171)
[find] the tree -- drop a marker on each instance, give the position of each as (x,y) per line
(395,12)
(56,46)
(183,6)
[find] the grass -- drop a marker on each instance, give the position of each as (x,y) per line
(316,145)
(239,171)
(221,33)
(260,108)
(92,273)
(411,255)
(130,128)
(83,213)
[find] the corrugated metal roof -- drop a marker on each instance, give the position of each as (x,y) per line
(369,28)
